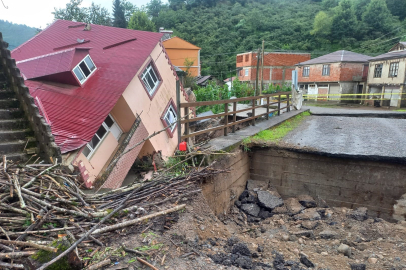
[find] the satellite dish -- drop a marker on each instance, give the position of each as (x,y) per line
(80,40)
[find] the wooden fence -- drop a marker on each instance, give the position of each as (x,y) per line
(186,121)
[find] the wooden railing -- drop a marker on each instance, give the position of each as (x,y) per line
(234,112)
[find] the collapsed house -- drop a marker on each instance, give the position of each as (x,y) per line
(101,90)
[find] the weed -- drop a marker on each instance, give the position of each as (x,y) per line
(274,134)
(151,247)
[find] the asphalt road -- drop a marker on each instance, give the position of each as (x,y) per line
(358,136)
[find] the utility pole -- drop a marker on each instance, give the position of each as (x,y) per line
(262,68)
(257,71)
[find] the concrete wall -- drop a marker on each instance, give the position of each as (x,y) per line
(223,189)
(385,79)
(340,182)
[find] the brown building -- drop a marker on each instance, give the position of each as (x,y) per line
(278,67)
(330,75)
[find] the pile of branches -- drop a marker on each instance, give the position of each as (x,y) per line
(42,204)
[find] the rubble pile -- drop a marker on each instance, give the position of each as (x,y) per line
(43,212)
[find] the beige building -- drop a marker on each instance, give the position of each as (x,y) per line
(387,77)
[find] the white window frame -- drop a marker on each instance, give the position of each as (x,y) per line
(81,71)
(165,118)
(146,72)
(393,69)
(306,74)
(326,70)
(246,72)
(101,139)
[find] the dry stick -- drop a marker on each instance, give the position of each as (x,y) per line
(6,247)
(13,255)
(18,190)
(28,244)
(86,235)
(41,173)
(139,253)
(1,228)
(12,265)
(147,263)
(137,220)
(91,237)
(42,231)
(99,265)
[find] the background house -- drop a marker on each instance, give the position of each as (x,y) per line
(277,67)
(179,51)
(387,77)
(102,90)
(340,72)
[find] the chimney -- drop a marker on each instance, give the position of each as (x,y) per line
(167,33)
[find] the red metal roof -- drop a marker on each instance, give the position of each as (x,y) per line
(76,112)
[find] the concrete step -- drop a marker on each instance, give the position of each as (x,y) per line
(9,103)
(13,135)
(12,147)
(6,93)
(13,124)
(11,113)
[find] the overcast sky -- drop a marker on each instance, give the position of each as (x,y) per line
(37,13)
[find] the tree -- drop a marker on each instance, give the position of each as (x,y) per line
(344,21)
(377,16)
(128,8)
(154,7)
(140,21)
(322,25)
(360,7)
(118,15)
(98,15)
(73,12)
(397,8)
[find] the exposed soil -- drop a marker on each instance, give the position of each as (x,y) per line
(334,239)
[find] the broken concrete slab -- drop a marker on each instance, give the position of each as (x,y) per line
(269,200)
(308,214)
(251,209)
(256,185)
(307,201)
(293,206)
(359,214)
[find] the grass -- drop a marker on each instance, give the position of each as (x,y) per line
(401,110)
(276,133)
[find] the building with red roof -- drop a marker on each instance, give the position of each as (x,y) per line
(102,89)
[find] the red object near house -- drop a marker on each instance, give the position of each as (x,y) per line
(183,146)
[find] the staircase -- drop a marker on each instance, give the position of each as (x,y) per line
(17,140)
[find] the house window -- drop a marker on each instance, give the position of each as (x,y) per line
(306,71)
(240,58)
(393,69)
(109,125)
(378,71)
(246,72)
(326,70)
(150,79)
(84,69)
(247,57)
(169,118)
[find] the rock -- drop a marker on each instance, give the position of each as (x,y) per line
(327,234)
(344,249)
(280,210)
(202,228)
(237,203)
(293,206)
(244,262)
(359,214)
(232,241)
(399,209)
(308,214)
(251,209)
(260,248)
(305,260)
(309,225)
(268,200)
(307,201)
(359,266)
(241,249)
(324,253)
(285,237)
(248,196)
(308,234)
(264,214)
(256,185)
(278,260)
(372,260)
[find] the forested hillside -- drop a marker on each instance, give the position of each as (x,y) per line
(16,34)
(224,28)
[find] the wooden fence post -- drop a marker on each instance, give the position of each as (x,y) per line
(253,111)
(234,115)
(226,120)
(187,118)
(279,105)
(267,108)
(288,107)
